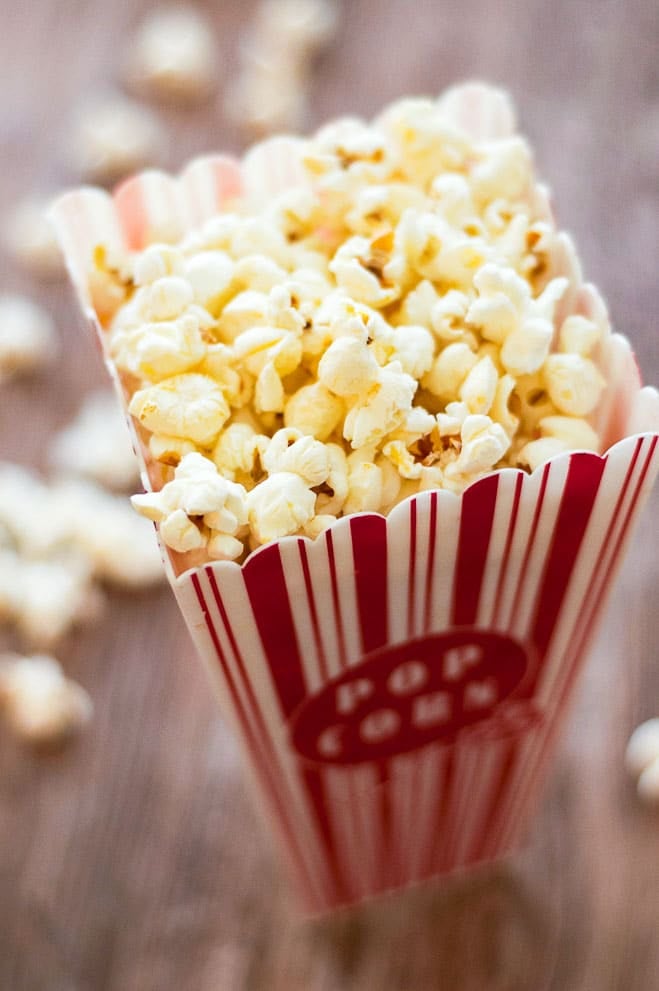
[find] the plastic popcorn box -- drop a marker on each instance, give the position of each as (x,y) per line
(398,684)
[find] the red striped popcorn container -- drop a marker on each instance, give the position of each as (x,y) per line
(397,684)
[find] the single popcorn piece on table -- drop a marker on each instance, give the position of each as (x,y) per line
(642,760)
(393,322)
(56,540)
(97,445)
(45,598)
(30,238)
(28,339)
(173,55)
(269,92)
(112,137)
(41,705)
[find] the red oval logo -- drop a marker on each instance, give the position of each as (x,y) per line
(404,697)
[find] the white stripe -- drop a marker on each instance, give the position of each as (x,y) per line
(301,614)
(507,484)
(443,572)
(321,580)
(398,557)
(347,589)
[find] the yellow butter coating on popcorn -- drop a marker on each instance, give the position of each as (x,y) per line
(394,322)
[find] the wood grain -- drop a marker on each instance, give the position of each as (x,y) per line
(134,861)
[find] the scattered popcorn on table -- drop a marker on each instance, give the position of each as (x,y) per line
(389,325)
(112,137)
(30,237)
(642,760)
(56,541)
(97,444)
(28,338)
(173,55)
(269,92)
(42,706)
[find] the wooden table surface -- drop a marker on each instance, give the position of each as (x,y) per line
(133,861)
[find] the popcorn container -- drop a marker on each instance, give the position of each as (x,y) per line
(397,684)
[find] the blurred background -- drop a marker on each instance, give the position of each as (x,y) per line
(131,859)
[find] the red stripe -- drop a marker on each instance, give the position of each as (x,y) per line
(313,782)
(478,504)
(485,845)
(131,210)
(509,542)
(369,551)
(411,583)
(531,539)
(228,180)
(260,762)
(318,640)
(579,494)
(265,583)
(432,539)
(336,602)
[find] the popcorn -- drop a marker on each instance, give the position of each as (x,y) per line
(575,432)
(27,336)
(348,368)
(121,548)
(314,410)
(334,490)
(30,238)
(536,452)
(479,387)
(112,137)
(358,266)
(190,406)
(280,505)
(42,706)
(97,444)
(449,370)
(364,486)
(642,760)
(574,383)
(196,508)
(291,451)
(173,55)
(387,324)
(578,335)
(484,443)
(210,275)
(157,261)
(382,408)
(236,450)
(169,450)
(45,598)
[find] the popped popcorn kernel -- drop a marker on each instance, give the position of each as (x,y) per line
(449,370)
(27,336)
(348,367)
(190,406)
(579,335)
(42,706)
(173,55)
(314,410)
(296,453)
(574,383)
(280,505)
